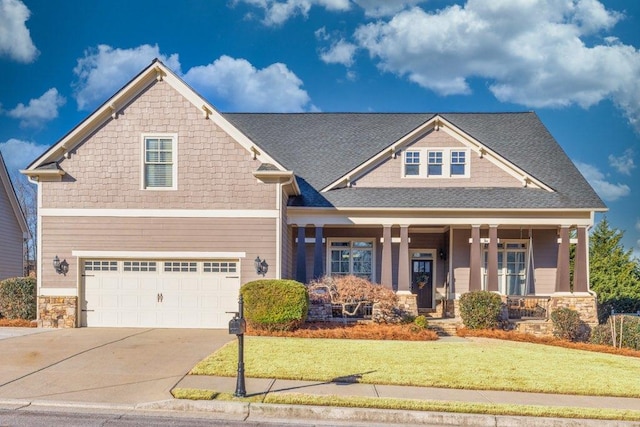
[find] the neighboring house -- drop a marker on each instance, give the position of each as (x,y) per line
(13,228)
(160,205)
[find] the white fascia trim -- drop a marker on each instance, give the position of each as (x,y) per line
(158,255)
(433,221)
(212,114)
(449,128)
(389,151)
(57,292)
(493,157)
(161,213)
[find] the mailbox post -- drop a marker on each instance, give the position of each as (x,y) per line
(237,326)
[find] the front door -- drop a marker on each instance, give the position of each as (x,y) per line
(422,282)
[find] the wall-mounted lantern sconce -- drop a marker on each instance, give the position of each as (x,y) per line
(61,267)
(443,255)
(261,266)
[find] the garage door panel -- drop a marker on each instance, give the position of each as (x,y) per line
(171,294)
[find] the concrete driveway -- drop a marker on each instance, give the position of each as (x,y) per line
(102,365)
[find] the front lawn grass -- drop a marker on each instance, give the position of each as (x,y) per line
(417,405)
(480,364)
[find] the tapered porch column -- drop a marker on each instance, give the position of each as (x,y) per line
(386,278)
(562,269)
(404,278)
(580,269)
(475,277)
(301,256)
(318,271)
(492,259)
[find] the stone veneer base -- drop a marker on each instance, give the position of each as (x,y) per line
(57,312)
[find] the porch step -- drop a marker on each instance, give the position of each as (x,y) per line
(444,328)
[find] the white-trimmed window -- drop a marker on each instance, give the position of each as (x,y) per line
(458,163)
(412,163)
(440,163)
(159,161)
(512,267)
(434,166)
(351,257)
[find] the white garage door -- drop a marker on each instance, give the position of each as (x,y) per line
(163,294)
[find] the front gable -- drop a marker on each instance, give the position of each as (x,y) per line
(436,155)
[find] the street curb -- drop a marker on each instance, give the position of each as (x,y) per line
(238,410)
(269,411)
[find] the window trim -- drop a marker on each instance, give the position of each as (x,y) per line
(174,155)
(502,273)
(446,162)
(351,240)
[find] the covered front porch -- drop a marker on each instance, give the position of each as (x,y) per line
(430,265)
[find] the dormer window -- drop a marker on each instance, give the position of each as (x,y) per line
(435,163)
(440,163)
(412,163)
(458,163)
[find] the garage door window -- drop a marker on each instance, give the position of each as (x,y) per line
(220,267)
(101,266)
(140,266)
(181,267)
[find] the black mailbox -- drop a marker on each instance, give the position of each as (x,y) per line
(237,326)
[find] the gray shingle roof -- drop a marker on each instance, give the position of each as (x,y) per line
(322,147)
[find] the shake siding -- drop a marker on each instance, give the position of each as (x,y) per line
(11,244)
(105,170)
(483,173)
(63,235)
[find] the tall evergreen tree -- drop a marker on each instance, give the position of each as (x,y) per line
(614,273)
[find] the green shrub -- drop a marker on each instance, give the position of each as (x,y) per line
(421,322)
(480,309)
(568,326)
(275,305)
(18,298)
(626,330)
(601,334)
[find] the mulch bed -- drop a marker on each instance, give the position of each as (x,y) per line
(17,323)
(355,331)
(520,337)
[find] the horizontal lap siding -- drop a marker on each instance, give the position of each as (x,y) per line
(61,236)
(11,244)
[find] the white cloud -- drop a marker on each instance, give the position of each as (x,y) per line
(623,164)
(277,12)
(236,81)
(379,8)
(245,88)
(605,189)
(15,39)
(340,52)
(102,71)
(39,110)
(19,154)
(530,52)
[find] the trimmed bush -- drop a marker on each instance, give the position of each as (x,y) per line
(275,305)
(351,293)
(568,326)
(18,298)
(601,335)
(480,309)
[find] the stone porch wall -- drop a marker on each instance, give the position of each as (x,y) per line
(57,312)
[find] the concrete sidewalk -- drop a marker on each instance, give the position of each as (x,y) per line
(263,387)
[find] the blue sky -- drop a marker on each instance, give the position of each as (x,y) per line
(575,62)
